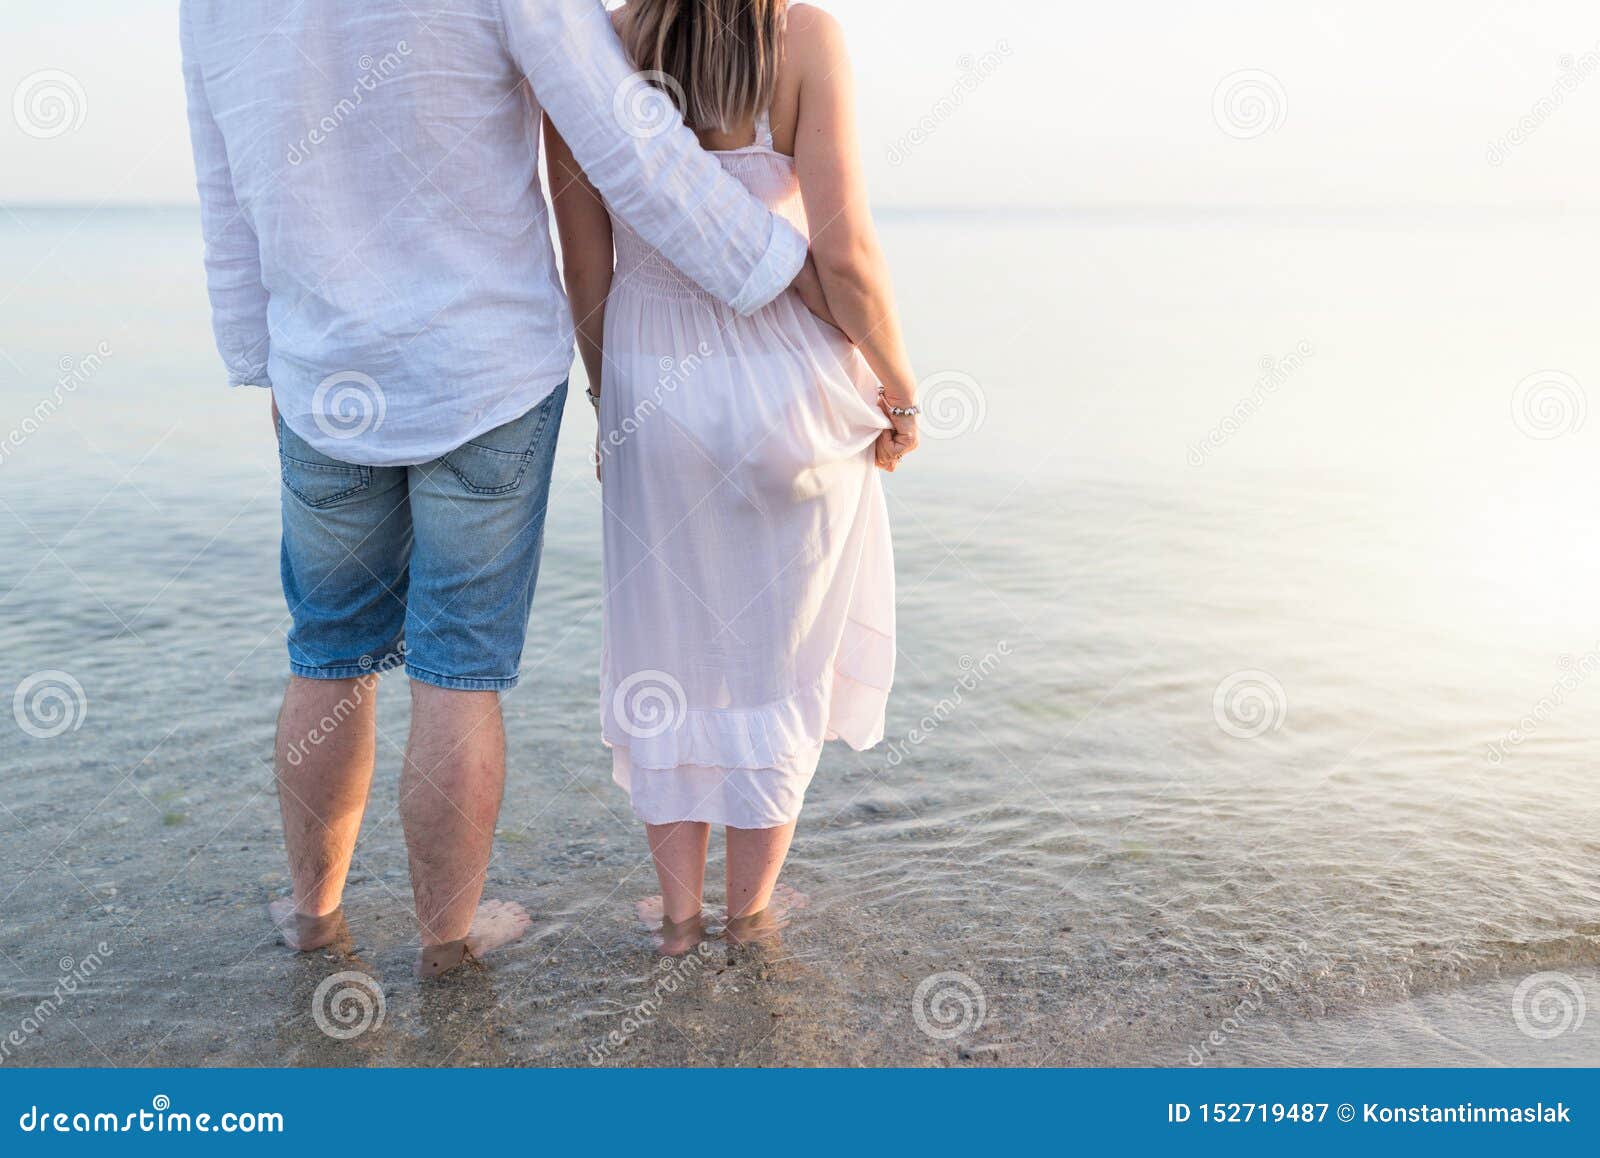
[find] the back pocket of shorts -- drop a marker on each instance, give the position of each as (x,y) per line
(319,485)
(325,482)
(495,461)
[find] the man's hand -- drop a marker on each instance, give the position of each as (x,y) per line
(274,398)
(809,286)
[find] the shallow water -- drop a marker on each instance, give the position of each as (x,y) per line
(1178,752)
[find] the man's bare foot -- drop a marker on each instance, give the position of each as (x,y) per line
(673,938)
(302,933)
(495,924)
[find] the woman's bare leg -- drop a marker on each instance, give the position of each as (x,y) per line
(680,855)
(755,857)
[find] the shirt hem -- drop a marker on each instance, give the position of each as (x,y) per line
(368,450)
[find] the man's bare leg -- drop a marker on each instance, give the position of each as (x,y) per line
(450,795)
(327,735)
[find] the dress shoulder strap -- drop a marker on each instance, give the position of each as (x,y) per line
(764,129)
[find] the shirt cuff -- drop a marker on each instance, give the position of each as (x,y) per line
(260,380)
(779,266)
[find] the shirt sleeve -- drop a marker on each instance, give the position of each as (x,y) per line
(654,175)
(233,255)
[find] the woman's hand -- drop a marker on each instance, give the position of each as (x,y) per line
(899,440)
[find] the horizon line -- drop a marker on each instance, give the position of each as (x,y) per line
(968,209)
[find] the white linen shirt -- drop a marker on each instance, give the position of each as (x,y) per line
(377,245)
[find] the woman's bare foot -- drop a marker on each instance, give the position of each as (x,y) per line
(784,903)
(787,901)
(673,938)
(496,923)
(651,911)
(765,926)
(756,929)
(302,933)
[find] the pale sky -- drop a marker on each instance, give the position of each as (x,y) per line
(1367,103)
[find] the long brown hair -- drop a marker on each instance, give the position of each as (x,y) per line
(721,54)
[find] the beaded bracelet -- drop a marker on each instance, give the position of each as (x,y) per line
(898,411)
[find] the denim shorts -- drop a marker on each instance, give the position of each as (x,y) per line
(429,566)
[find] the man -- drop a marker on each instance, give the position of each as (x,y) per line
(378,255)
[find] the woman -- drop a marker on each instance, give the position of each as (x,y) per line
(749,604)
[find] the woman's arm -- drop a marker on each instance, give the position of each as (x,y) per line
(657,177)
(844,242)
(584,226)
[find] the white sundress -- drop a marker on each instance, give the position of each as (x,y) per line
(749,575)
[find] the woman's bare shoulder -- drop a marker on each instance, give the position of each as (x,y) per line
(813,37)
